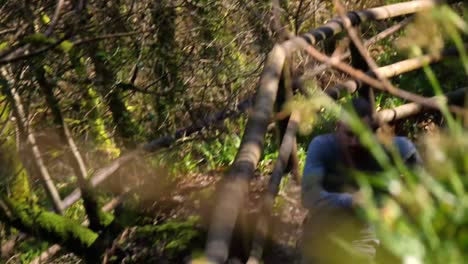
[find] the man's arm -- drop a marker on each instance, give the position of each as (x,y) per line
(313,194)
(408,151)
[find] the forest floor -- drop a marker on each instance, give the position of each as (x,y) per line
(192,198)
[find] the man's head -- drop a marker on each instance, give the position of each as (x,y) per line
(348,139)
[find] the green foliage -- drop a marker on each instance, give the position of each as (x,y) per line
(220,152)
(50,226)
(420,213)
(270,154)
(76,211)
(38,38)
(3,46)
(66,46)
(171,237)
(30,249)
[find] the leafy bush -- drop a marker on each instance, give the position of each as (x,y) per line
(423,215)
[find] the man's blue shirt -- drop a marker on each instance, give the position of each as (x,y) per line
(326,180)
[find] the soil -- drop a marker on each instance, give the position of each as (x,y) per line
(194,196)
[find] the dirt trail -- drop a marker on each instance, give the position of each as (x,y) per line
(194,196)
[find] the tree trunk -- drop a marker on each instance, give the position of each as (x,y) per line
(166,60)
(98,220)
(127,129)
(93,108)
(27,132)
(53,228)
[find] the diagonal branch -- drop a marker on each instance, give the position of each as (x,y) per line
(360,75)
(381,35)
(56,17)
(23,54)
(392,70)
(18,111)
(357,74)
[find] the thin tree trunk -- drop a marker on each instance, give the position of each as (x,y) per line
(105,78)
(166,63)
(96,217)
(38,162)
(264,219)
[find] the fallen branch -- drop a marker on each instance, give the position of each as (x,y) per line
(164,142)
(264,220)
(385,33)
(456,97)
(360,75)
(392,70)
(54,249)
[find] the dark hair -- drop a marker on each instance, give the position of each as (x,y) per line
(363,109)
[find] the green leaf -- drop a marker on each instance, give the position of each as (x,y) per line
(66,46)
(45,18)
(38,38)
(3,45)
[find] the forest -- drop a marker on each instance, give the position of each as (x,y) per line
(181,131)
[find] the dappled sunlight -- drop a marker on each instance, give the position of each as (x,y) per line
(209,131)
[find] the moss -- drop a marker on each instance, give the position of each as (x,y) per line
(12,174)
(20,188)
(51,227)
(173,237)
(97,125)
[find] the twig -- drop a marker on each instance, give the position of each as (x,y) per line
(6,31)
(108,36)
(280,30)
(296,17)
(55,19)
(360,75)
(26,55)
(385,33)
(389,31)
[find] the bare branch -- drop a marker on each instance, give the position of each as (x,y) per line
(18,111)
(55,19)
(110,36)
(357,74)
(16,56)
(381,35)
(392,70)
(7,31)
(456,97)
